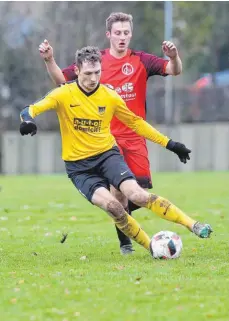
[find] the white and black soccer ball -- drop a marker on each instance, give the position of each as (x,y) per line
(166,245)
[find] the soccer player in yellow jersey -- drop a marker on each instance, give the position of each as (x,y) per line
(92,159)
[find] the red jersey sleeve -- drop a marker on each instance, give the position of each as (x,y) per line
(69,73)
(154,65)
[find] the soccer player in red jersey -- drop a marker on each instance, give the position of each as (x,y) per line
(126,71)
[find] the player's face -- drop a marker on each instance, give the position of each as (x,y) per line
(89,75)
(120,36)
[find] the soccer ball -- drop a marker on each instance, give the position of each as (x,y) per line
(166,245)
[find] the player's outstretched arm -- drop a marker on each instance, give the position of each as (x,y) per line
(54,71)
(27,115)
(174,66)
(142,128)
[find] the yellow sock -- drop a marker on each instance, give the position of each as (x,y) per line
(168,211)
(130,227)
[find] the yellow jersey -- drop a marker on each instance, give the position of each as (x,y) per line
(85,119)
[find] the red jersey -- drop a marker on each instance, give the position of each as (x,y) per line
(128,77)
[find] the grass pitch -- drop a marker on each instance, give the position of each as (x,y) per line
(85,278)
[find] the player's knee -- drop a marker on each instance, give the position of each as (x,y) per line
(152,198)
(140,197)
(115,209)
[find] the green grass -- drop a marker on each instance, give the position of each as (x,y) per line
(86,278)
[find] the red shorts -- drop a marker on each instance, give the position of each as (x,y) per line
(135,153)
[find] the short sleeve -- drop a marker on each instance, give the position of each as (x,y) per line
(69,73)
(154,65)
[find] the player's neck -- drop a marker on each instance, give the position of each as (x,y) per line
(117,54)
(85,90)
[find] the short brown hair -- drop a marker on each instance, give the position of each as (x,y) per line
(116,17)
(89,54)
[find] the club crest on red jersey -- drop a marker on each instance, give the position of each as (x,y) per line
(127,69)
(101,109)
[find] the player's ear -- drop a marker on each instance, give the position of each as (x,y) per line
(108,34)
(76,69)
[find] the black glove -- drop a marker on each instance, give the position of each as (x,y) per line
(28,127)
(180,149)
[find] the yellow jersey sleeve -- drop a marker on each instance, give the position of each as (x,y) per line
(50,101)
(137,124)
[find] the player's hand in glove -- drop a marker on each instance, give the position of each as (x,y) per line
(180,149)
(28,127)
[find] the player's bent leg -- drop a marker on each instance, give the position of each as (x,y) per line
(133,207)
(128,225)
(126,247)
(137,158)
(119,196)
(163,208)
